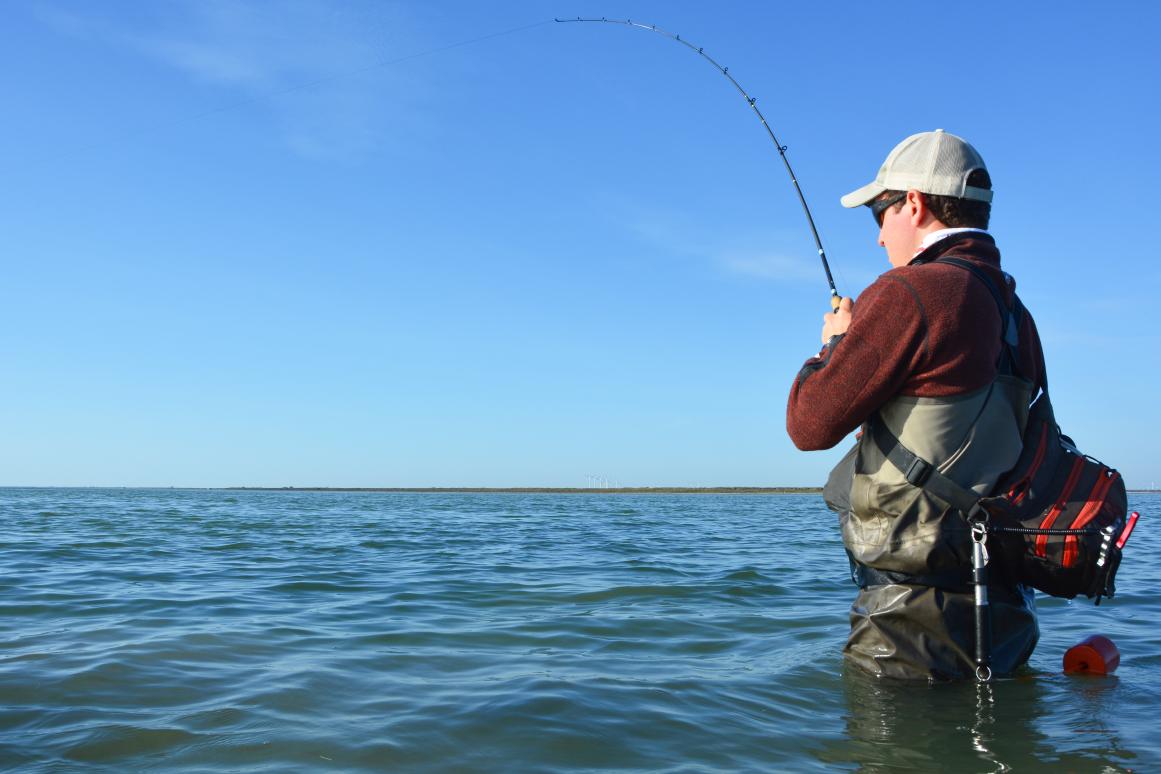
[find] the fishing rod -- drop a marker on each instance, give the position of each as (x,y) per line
(835,298)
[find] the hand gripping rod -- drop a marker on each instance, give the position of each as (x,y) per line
(834,295)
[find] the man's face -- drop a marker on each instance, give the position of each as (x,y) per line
(897,234)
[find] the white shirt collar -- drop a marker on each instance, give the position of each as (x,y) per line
(944,233)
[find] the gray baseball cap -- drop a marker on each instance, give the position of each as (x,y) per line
(935,163)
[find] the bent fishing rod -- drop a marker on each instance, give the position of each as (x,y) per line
(835,298)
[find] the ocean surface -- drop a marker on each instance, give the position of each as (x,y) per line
(218,631)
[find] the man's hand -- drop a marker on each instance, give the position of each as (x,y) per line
(836,323)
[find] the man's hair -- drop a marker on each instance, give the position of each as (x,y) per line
(959,213)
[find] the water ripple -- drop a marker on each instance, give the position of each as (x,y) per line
(201,631)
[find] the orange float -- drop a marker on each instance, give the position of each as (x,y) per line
(1095,655)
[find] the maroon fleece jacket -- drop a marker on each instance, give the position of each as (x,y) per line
(925,330)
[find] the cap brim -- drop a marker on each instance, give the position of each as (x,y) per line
(863,195)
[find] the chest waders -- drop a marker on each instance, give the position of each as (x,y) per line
(917,536)
(924,475)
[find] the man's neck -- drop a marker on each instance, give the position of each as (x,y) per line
(942,232)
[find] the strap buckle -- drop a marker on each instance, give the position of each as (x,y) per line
(918,471)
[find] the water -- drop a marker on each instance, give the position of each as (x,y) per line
(213,631)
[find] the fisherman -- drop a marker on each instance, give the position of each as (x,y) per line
(921,358)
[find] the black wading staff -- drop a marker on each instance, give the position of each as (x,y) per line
(834,295)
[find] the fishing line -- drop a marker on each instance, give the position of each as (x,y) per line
(834,295)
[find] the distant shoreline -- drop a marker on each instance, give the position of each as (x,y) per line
(488,489)
(545,489)
(747,490)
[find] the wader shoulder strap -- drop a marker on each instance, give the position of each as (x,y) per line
(919,472)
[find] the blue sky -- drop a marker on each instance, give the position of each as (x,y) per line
(263,244)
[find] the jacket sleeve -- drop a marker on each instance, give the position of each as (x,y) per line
(837,390)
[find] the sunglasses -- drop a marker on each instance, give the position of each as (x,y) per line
(879,206)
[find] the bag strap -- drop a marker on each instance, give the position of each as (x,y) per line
(1011,318)
(919,472)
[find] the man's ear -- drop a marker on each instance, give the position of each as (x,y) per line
(917,210)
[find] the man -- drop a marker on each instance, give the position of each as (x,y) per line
(921,360)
